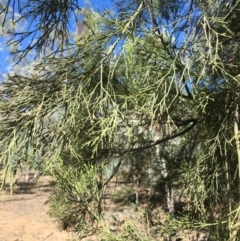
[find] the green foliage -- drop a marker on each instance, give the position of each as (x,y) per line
(124,196)
(152,85)
(76,200)
(129,231)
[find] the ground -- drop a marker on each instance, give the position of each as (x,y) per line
(24,213)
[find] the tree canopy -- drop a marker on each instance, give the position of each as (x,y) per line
(144,74)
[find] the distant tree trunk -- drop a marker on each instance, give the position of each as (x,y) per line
(164,173)
(235,228)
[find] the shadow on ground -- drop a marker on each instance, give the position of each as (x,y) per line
(32,186)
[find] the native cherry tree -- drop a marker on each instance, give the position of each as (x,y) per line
(154,84)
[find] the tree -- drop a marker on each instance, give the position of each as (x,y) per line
(170,68)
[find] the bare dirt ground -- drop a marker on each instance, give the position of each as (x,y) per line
(23,215)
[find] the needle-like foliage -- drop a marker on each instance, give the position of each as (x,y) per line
(146,74)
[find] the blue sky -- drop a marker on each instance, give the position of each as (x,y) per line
(100,3)
(4,54)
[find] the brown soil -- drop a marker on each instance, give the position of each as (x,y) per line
(23,215)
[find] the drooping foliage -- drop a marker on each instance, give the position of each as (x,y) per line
(147,74)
